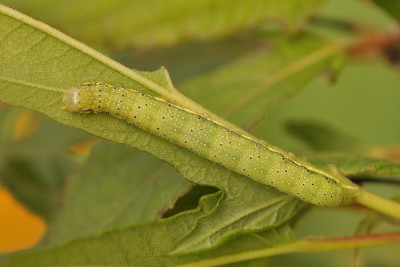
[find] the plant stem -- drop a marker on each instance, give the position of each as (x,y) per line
(378,203)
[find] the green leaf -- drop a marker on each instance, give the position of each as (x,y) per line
(244,208)
(116,187)
(390,6)
(146,245)
(147,24)
(153,241)
(65,63)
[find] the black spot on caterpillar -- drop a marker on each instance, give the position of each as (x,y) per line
(213,141)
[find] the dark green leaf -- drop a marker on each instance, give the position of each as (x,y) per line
(36,169)
(390,6)
(351,165)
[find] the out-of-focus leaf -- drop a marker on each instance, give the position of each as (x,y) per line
(116,187)
(146,24)
(390,6)
(351,165)
(36,169)
(325,139)
(321,137)
(25,125)
(242,90)
(188,60)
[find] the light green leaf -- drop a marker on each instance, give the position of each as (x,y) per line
(146,24)
(65,63)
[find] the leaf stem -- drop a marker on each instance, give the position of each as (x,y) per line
(378,203)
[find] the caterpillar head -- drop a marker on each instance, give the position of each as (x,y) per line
(71,100)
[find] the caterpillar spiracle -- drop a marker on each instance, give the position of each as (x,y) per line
(211,140)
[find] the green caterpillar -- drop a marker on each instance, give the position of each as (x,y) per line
(213,141)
